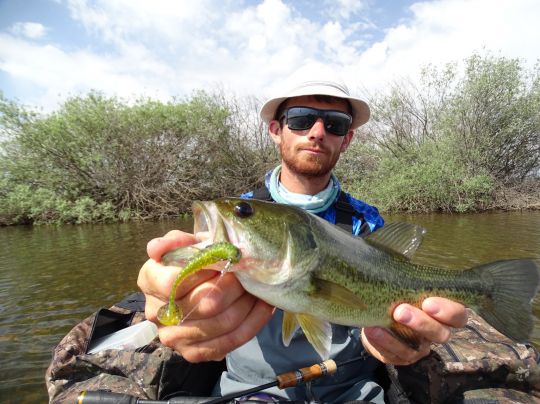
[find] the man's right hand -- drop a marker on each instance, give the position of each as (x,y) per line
(222,315)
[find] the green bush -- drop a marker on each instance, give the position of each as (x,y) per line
(26,205)
(430,180)
(442,145)
(101,159)
(448,143)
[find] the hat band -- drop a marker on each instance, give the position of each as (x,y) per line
(331,84)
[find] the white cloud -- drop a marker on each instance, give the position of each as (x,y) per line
(173,47)
(239,47)
(449,31)
(120,20)
(168,48)
(31,30)
(59,74)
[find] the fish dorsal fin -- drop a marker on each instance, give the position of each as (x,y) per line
(289,327)
(318,333)
(400,238)
(338,294)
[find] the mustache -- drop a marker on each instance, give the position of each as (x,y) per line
(315,146)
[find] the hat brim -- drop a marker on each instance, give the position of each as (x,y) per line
(360,109)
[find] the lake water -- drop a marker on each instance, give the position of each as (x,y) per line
(52,277)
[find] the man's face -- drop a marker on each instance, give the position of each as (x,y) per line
(312,152)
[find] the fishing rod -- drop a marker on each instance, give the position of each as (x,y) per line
(283,381)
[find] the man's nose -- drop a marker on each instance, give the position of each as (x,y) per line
(317,131)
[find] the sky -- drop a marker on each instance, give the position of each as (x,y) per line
(163,49)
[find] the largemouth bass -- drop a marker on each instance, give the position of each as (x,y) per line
(319,274)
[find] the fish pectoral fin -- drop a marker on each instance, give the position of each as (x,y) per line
(318,333)
(405,335)
(337,294)
(289,326)
(400,238)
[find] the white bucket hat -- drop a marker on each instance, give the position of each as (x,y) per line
(323,83)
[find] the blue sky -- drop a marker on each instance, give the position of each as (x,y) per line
(52,49)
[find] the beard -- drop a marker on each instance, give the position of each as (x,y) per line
(308,165)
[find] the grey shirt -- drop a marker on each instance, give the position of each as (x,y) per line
(263,357)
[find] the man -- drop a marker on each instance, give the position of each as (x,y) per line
(312,124)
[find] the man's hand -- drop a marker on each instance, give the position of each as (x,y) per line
(222,315)
(432,323)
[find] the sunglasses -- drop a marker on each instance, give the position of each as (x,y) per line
(302,118)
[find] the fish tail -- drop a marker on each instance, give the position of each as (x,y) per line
(512,287)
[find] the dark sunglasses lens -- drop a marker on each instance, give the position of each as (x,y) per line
(337,123)
(300,119)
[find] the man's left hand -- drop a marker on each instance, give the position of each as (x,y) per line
(432,323)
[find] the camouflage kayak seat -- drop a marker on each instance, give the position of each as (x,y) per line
(477,366)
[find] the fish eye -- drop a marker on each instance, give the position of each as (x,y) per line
(243,210)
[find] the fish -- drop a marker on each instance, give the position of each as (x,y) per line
(320,275)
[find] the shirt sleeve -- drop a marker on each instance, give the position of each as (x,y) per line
(371,215)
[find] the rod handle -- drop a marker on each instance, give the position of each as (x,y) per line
(306,374)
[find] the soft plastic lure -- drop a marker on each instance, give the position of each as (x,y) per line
(171,313)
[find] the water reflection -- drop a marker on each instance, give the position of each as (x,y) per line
(52,277)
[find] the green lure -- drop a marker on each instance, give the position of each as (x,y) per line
(171,313)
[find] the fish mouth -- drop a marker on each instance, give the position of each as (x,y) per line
(210,227)
(209,224)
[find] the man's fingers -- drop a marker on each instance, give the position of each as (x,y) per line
(421,323)
(201,295)
(196,331)
(432,323)
(446,311)
(217,347)
(157,280)
(212,297)
(173,239)
(219,315)
(383,346)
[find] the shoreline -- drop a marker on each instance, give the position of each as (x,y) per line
(531,206)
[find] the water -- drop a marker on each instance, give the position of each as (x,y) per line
(52,277)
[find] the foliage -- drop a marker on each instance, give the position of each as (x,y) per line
(98,158)
(357,163)
(455,141)
(495,118)
(429,180)
(450,142)
(26,205)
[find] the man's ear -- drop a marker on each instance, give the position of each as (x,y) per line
(347,139)
(274,129)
